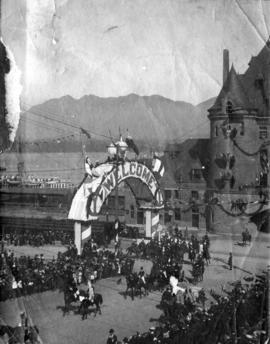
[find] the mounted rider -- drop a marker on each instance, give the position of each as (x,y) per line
(141,275)
(91,290)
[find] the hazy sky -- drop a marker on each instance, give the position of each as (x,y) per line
(116,47)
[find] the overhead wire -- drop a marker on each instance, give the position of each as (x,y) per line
(65,123)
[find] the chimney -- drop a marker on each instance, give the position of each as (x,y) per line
(226,66)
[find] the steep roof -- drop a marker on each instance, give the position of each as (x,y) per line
(168,181)
(232,91)
(254,80)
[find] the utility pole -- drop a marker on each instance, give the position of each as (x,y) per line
(116,186)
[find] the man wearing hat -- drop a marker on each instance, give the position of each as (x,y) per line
(142,275)
(112,339)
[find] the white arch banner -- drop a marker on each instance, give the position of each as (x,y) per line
(90,197)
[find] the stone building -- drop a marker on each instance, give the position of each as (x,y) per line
(224,179)
(237,181)
(184,183)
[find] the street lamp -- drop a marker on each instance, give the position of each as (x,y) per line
(112,150)
(117,150)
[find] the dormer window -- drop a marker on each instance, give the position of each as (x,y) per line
(229,107)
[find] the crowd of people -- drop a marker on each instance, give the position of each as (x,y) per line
(237,315)
(168,254)
(25,275)
(38,238)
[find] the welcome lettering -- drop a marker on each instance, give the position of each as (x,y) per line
(132,168)
(146,175)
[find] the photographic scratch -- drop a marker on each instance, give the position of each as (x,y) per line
(111,28)
(250,21)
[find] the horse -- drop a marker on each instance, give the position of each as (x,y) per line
(157,279)
(133,250)
(69,298)
(86,303)
(135,283)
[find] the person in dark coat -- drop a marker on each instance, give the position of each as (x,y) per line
(112,338)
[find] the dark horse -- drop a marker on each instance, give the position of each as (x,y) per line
(69,298)
(135,283)
(73,294)
(86,303)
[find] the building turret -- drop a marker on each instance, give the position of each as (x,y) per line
(231,119)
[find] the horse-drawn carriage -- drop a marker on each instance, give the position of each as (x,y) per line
(183,301)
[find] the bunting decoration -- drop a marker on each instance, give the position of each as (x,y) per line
(156,227)
(158,166)
(86,233)
(155,219)
(264,162)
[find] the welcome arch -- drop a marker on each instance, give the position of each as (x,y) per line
(92,193)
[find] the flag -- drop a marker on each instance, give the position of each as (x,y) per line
(155,225)
(131,144)
(155,219)
(158,166)
(86,233)
(85,133)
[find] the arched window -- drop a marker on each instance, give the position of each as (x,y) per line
(216,130)
(229,107)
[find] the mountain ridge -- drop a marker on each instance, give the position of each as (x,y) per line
(148,118)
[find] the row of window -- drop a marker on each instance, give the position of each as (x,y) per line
(168,217)
(175,194)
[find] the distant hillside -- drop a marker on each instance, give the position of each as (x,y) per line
(152,119)
(204,106)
